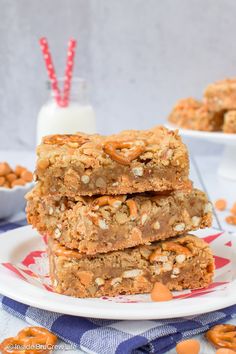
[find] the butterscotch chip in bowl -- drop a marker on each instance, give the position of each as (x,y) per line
(14,184)
(4,169)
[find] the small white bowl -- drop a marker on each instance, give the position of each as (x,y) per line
(12,200)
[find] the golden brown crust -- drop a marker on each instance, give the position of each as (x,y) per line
(133,270)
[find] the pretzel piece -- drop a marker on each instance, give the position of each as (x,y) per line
(222,336)
(111,148)
(108,200)
(133,211)
(176,247)
(30,339)
(73,140)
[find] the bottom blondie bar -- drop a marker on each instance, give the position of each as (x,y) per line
(185,262)
(230,122)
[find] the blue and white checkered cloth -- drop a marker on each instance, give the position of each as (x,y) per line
(113,336)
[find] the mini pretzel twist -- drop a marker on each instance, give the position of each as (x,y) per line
(222,336)
(29,339)
(176,247)
(73,140)
(136,150)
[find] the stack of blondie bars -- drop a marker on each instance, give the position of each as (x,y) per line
(216,112)
(117,211)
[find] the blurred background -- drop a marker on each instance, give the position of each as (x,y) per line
(138,56)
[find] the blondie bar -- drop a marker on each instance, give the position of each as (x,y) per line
(182,263)
(129,162)
(221,95)
(189,113)
(96,225)
(230,122)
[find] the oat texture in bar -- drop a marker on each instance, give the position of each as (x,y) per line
(102,224)
(192,114)
(230,122)
(221,95)
(129,162)
(185,262)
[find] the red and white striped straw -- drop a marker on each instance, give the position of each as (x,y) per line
(62,100)
(50,69)
(68,71)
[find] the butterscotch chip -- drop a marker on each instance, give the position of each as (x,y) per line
(18,182)
(221,204)
(5,169)
(43,164)
(19,170)
(231,219)
(2,181)
(27,176)
(11,177)
(188,346)
(85,277)
(131,219)
(225,351)
(161,293)
(130,271)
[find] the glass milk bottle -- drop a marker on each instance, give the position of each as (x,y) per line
(78,116)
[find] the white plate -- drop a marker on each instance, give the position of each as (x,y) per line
(16,244)
(217,137)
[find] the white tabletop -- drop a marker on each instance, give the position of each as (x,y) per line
(204,175)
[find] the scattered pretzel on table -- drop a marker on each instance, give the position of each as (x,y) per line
(30,340)
(136,150)
(222,336)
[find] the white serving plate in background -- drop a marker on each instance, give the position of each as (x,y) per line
(227,167)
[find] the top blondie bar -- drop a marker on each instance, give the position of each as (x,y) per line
(129,162)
